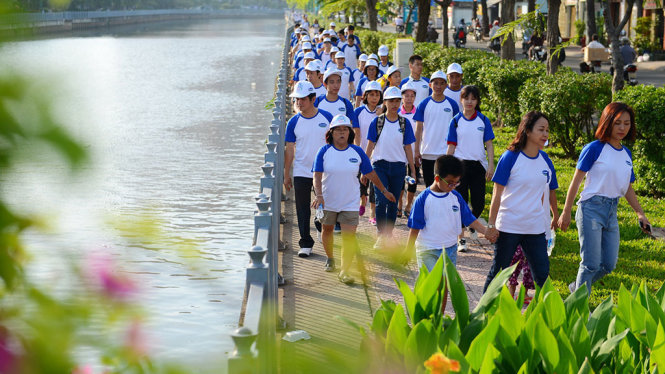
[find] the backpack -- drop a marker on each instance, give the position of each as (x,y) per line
(381,120)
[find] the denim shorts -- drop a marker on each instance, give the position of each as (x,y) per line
(429,256)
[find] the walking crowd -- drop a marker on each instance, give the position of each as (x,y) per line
(362,133)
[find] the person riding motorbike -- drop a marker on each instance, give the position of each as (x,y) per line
(536,40)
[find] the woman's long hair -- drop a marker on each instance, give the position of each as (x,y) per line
(528,121)
(611,112)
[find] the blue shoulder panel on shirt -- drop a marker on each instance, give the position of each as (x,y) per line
(290,135)
(371,132)
(318,160)
(504,166)
(409,136)
(465,212)
(554,184)
(589,155)
(328,115)
(420,110)
(417,217)
(452,129)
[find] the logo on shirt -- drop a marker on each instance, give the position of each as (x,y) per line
(353,159)
(480,128)
(629,163)
(323,124)
(342,109)
(447,110)
(401,130)
(455,208)
(425,86)
(546,173)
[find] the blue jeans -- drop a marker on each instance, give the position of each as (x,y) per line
(534,248)
(392,176)
(598,229)
(429,257)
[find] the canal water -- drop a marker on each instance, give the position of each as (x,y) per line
(173,117)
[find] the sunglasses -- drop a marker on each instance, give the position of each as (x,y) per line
(450,185)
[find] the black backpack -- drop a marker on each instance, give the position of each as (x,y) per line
(381,120)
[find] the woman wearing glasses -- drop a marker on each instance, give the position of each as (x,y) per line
(524,179)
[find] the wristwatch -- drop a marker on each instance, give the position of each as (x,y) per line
(490,226)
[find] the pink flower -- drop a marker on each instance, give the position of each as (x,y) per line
(8,357)
(135,340)
(102,272)
(86,369)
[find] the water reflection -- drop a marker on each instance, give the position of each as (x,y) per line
(174,118)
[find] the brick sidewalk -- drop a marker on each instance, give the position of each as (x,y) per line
(312,298)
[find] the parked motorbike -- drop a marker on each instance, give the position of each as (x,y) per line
(590,67)
(399,28)
(495,45)
(432,34)
(478,34)
(539,54)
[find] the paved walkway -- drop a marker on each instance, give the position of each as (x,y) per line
(312,298)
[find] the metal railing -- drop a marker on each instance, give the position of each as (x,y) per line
(31,19)
(255,341)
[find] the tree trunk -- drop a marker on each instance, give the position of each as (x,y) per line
(371,13)
(444,27)
(474,10)
(552,35)
(590,20)
(408,18)
(486,18)
(660,19)
(531,5)
(639,8)
(508,15)
(613,35)
(423,18)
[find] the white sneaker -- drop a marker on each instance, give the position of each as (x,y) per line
(461,246)
(474,234)
(318,236)
(304,252)
(379,242)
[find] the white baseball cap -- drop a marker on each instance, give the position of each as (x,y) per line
(383,50)
(374,57)
(332,24)
(340,54)
(306,38)
(326,40)
(372,63)
(310,54)
(362,57)
(438,75)
(408,86)
(334,49)
(392,92)
(325,32)
(306,45)
(331,71)
(340,120)
(454,68)
(302,89)
(391,70)
(373,86)
(332,32)
(313,66)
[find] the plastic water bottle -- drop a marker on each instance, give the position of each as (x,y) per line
(550,242)
(319,212)
(409,180)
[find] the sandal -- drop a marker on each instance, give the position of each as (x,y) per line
(345,278)
(399,213)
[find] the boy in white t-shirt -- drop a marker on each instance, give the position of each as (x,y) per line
(437,216)
(454,89)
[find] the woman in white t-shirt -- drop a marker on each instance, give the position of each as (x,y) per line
(372,97)
(522,179)
(336,169)
(390,139)
(407,110)
(608,167)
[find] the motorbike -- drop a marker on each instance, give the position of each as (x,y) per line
(460,38)
(432,35)
(495,45)
(629,74)
(590,67)
(399,28)
(539,54)
(478,34)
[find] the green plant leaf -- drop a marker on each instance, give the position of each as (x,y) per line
(410,301)
(471,331)
(398,331)
(545,343)
(381,319)
(599,322)
(607,347)
(658,350)
(420,345)
(511,359)
(428,293)
(509,315)
(457,291)
(579,301)
(555,311)
(360,329)
(568,358)
(580,341)
(493,291)
(454,353)
(586,367)
(480,344)
(488,365)
(450,334)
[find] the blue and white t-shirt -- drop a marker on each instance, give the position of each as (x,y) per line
(365,118)
(320,91)
(439,217)
(526,181)
(422,88)
(309,135)
(340,169)
(351,53)
(390,146)
(435,116)
(409,115)
(339,106)
(347,77)
(360,87)
(357,76)
(300,75)
(454,95)
(609,170)
(325,57)
(469,136)
(384,68)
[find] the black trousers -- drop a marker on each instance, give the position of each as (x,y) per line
(473,180)
(428,171)
(302,187)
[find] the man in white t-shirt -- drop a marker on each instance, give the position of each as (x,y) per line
(418,82)
(346,90)
(384,64)
(454,89)
(334,104)
(314,76)
(432,118)
(305,135)
(325,53)
(300,74)
(352,52)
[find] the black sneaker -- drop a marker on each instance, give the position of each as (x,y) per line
(338,228)
(330,265)
(461,247)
